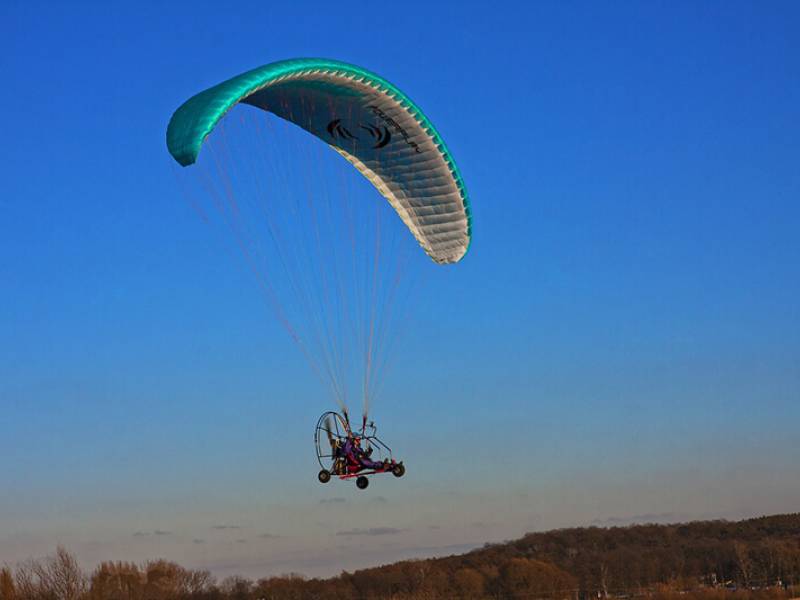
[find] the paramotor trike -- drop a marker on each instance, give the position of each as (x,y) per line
(346,454)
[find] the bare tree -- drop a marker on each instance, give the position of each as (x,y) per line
(197,581)
(238,588)
(468,583)
(117,581)
(7,588)
(604,575)
(743,561)
(57,577)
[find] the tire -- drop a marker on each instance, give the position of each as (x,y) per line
(324,476)
(362,483)
(399,470)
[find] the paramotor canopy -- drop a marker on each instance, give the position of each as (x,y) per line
(380,132)
(367,120)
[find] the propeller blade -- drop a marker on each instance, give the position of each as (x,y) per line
(328,431)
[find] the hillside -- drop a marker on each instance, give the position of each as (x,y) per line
(754,559)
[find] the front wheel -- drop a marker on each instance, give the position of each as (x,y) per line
(399,470)
(362,483)
(324,476)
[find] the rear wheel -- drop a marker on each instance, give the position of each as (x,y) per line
(324,476)
(362,483)
(399,470)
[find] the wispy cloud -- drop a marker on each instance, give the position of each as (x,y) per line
(645,518)
(372,531)
(333,500)
(268,536)
(156,532)
(225,527)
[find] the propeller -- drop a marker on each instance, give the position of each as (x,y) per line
(328,431)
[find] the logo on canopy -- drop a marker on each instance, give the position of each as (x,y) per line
(380,136)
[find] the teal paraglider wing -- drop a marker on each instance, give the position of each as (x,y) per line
(367,120)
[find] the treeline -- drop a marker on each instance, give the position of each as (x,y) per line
(752,553)
(756,559)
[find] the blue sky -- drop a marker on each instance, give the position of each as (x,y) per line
(622,340)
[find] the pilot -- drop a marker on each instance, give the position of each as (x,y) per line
(358,456)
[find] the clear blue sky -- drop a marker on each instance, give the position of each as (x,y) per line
(624,341)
